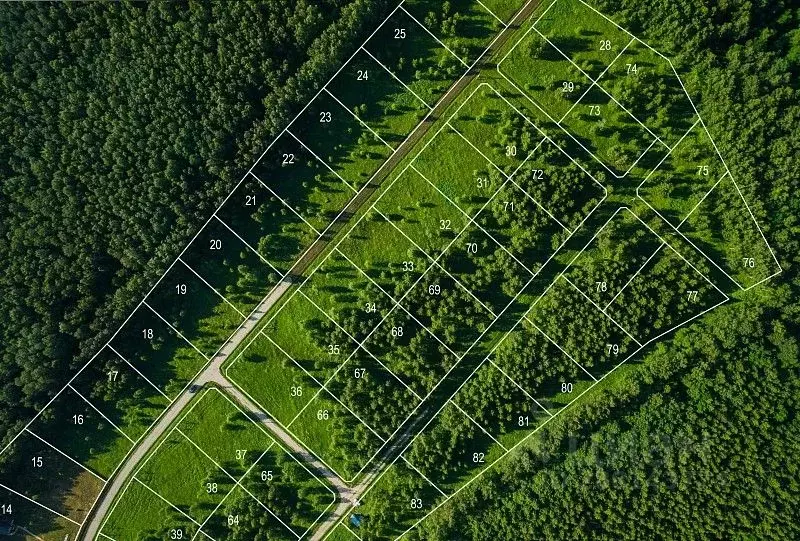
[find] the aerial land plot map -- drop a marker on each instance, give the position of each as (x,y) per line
(356,270)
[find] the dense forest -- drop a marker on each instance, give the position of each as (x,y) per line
(101,189)
(701,441)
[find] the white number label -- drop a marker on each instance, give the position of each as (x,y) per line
(359,373)
(215,244)
(266,475)
(399,33)
(594,110)
(233,520)
(37,462)
(416,503)
(77,419)
(749,262)
(296,391)
(240,454)
(363,75)
(702,170)
(288,159)
(112,374)
(250,201)
(444,225)
(397,331)
(567,87)
(325,117)
(511,151)
(566,387)
(334,349)
(523,421)
(181,289)
(322,415)
(176,533)
(408,266)
(434,289)
(602,287)
(605,45)
(633,69)
(693,295)
(147,333)
(472,247)
(483,182)
(478,458)
(537,174)
(212,488)
(612,349)
(370,308)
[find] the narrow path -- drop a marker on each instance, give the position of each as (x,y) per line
(212,373)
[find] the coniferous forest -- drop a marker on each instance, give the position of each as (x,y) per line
(124,125)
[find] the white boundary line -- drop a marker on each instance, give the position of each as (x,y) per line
(109,421)
(127,362)
(160,497)
(247,245)
(24,497)
(492,13)
(360,121)
(220,295)
(176,331)
(325,164)
(518,386)
(476,423)
(633,276)
(390,72)
(65,455)
(426,29)
(413,467)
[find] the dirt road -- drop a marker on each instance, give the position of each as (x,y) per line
(212,373)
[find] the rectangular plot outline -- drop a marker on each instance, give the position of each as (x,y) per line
(535,430)
(246,248)
(592,85)
(236,483)
(225,200)
(739,191)
(363,215)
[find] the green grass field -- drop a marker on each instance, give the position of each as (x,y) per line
(335,435)
(457,170)
(140,514)
(380,101)
(451,450)
(676,187)
(270,227)
(308,337)
(590,337)
(592,44)
(275,382)
(395,502)
(499,406)
(464,26)
(229,266)
(238,516)
(380,250)
(613,257)
(647,86)
(422,213)
(348,297)
(541,71)
(300,180)
(34,469)
(492,125)
(38,521)
(408,50)
(156,351)
(195,309)
(331,131)
(228,436)
(340,533)
(73,427)
(122,395)
(180,473)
